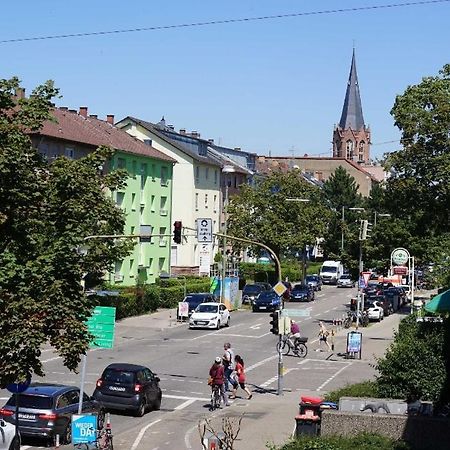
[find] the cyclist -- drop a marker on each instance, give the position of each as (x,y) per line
(217,374)
(295,331)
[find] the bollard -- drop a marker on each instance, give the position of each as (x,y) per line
(57,441)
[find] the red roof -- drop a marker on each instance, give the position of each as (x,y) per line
(73,127)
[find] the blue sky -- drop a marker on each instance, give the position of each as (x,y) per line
(266,86)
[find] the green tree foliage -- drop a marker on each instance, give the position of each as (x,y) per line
(262,213)
(419,189)
(46,211)
(414,365)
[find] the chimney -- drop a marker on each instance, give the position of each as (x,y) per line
(171,127)
(83,111)
(110,119)
(63,108)
(195,134)
(237,149)
(211,141)
(182,130)
(93,116)
(20,93)
(73,111)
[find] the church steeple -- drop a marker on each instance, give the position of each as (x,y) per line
(351,137)
(352,115)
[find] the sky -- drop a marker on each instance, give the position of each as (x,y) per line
(272,87)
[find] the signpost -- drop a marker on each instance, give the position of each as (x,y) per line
(354,343)
(84,428)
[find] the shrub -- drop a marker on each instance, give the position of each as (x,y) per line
(362,389)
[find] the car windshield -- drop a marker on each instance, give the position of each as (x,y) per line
(312,278)
(32,401)
(300,287)
(194,299)
(252,289)
(345,277)
(266,295)
(203,308)
(330,269)
(119,376)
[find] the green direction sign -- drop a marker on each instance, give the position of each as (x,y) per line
(296,312)
(102,324)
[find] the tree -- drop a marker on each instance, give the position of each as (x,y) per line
(419,189)
(262,213)
(46,211)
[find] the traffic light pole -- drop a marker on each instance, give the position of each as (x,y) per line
(280,367)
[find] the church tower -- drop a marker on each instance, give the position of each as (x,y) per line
(351,137)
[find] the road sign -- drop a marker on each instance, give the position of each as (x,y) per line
(400,256)
(280,288)
(17,388)
(102,324)
(296,312)
(183,309)
(400,270)
(204,230)
(366,276)
(83,428)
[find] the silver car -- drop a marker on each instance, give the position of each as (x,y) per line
(345,280)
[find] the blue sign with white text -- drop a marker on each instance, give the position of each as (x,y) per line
(84,428)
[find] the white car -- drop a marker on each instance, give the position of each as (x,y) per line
(375,311)
(210,315)
(8,439)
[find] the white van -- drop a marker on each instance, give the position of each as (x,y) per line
(331,271)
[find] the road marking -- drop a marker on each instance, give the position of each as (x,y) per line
(185,404)
(183,397)
(260,363)
(141,434)
(333,376)
(273,379)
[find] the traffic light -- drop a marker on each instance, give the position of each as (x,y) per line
(177,227)
(365,230)
(275,322)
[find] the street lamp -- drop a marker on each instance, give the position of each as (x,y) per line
(379,215)
(343,219)
(302,200)
(225,170)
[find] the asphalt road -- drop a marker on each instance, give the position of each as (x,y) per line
(182,358)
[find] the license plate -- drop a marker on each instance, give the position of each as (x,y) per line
(26,416)
(116,388)
(202,323)
(263,307)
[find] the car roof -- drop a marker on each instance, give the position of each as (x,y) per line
(209,303)
(47,388)
(125,366)
(198,293)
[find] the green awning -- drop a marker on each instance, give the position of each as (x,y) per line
(439,303)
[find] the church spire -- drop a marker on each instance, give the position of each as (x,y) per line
(352,115)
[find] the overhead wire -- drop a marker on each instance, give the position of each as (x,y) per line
(222,21)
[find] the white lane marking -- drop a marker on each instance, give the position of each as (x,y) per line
(196,393)
(185,404)
(51,359)
(195,381)
(260,363)
(333,376)
(256,327)
(141,434)
(273,379)
(183,397)
(326,311)
(4,398)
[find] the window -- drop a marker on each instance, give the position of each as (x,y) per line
(121,163)
(235,181)
(206,173)
(141,215)
(132,230)
(215,203)
(119,198)
(143,177)
(206,200)
(164,176)
(153,172)
(152,204)
(349,147)
(150,265)
(162,238)
(197,173)
(319,176)
(131,268)
(161,263)
(133,201)
(133,168)
(163,206)
(148,142)
(63,401)
(196,202)
(215,176)
(69,152)
(361,151)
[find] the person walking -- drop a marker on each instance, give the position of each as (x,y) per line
(216,372)
(228,364)
(323,336)
(240,373)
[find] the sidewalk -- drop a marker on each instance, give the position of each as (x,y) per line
(269,419)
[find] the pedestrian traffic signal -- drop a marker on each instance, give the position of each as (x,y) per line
(177,228)
(365,230)
(275,316)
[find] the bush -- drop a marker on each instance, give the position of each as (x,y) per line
(363,441)
(362,389)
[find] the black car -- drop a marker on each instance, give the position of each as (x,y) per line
(267,301)
(45,410)
(251,291)
(302,293)
(196,298)
(128,387)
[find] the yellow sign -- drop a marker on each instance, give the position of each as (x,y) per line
(279,288)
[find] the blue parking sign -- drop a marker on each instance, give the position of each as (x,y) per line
(84,428)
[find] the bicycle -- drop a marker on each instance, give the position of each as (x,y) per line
(215,397)
(297,345)
(351,317)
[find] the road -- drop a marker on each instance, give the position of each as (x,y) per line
(182,358)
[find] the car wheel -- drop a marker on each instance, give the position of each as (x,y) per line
(157,403)
(228,322)
(15,444)
(66,437)
(141,409)
(218,324)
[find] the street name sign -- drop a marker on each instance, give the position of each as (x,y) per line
(204,230)
(102,325)
(296,312)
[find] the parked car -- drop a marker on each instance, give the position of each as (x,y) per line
(302,293)
(267,301)
(250,292)
(314,281)
(128,387)
(46,409)
(384,301)
(374,310)
(266,286)
(8,438)
(210,315)
(196,298)
(345,280)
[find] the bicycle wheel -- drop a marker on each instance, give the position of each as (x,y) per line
(347,322)
(283,347)
(301,350)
